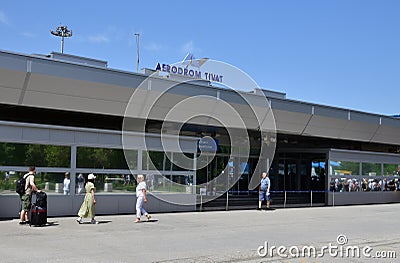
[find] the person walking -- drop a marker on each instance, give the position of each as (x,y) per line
(264,194)
(66,183)
(140,199)
(88,206)
(26,199)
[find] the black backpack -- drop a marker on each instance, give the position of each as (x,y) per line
(20,186)
(41,199)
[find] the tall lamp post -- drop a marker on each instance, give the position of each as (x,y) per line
(62,31)
(137,50)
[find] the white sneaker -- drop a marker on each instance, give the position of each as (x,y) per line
(79,220)
(94,222)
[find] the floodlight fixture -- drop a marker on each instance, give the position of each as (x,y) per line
(62,31)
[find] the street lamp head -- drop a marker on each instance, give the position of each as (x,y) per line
(62,31)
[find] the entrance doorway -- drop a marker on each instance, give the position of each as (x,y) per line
(298,172)
(298,178)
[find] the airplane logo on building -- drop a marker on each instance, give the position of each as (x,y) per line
(191,61)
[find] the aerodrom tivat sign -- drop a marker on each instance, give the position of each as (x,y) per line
(189,72)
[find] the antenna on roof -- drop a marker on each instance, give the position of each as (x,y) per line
(137,50)
(62,31)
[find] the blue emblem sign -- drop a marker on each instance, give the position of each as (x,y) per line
(208,144)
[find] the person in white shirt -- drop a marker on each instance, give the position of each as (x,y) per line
(140,199)
(67,182)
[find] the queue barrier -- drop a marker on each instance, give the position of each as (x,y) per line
(283,197)
(297,191)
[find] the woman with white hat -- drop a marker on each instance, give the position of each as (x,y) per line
(88,206)
(141,198)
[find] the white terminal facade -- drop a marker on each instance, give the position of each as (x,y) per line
(65,113)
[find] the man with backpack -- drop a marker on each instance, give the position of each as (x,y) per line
(26,197)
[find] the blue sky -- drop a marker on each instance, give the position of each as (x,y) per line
(343,53)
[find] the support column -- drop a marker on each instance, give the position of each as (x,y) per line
(73,170)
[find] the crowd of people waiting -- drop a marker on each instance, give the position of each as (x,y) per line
(366,185)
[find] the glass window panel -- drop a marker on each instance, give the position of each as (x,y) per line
(8,180)
(391,169)
(344,168)
(371,169)
(153,160)
(224,149)
(156,160)
(182,161)
(18,154)
(170,183)
(51,183)
(131,157)
(105,158)
(202,169)
(108,183)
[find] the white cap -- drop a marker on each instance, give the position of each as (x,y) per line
(91,176)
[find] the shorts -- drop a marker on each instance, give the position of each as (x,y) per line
(26,202)
(263,196)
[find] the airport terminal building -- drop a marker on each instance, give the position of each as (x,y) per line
(64,113)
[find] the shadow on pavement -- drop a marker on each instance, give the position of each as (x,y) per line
(98,222)
(149,221)
(6,219)
(55,223)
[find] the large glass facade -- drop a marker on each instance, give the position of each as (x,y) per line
(113,168)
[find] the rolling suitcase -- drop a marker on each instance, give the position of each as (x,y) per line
(38,215)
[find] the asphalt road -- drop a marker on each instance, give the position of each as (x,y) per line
(231,236)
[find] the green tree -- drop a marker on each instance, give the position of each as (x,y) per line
(57,156)
(34,155)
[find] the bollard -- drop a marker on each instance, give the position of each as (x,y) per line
(59,188)
(227,201)
(284,202)
(108,187)
(311,198)
(47,186)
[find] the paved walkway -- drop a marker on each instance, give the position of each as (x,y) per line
(233,236)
